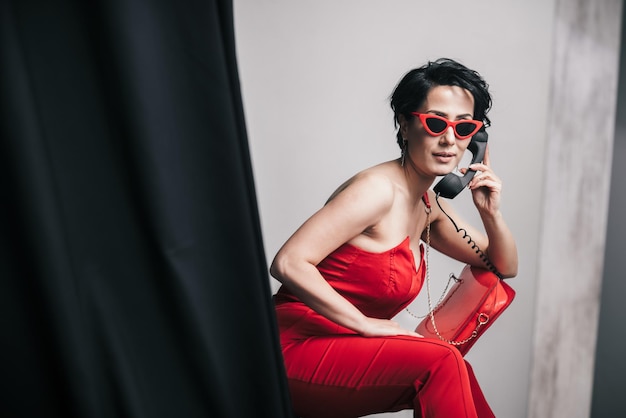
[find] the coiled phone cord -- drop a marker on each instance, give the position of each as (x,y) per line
(452,277)
(471,242)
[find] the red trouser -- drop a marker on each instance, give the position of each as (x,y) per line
(345,375)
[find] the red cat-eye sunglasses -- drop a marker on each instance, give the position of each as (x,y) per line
(436,125)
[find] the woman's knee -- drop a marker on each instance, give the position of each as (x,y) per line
(446,359)
(447,350)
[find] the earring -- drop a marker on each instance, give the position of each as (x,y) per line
(404,146)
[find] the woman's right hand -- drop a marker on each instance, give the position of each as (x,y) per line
(375,327)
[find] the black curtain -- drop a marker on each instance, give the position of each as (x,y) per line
(133,280)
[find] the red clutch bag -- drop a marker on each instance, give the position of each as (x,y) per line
(477,298)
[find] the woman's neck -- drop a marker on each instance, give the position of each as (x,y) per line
(417,182)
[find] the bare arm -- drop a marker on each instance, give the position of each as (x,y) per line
(357,207)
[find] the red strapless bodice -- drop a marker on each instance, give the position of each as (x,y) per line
(379,284)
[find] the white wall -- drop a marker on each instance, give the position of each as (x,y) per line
(316,76)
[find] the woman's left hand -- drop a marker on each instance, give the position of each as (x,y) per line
(486,187)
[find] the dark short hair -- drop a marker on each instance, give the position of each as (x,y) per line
(410,93)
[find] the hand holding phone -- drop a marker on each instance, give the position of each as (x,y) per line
(452,184)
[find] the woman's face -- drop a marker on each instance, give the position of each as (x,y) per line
(438,155)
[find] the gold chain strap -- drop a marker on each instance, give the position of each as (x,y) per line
(427,209)
(482,318)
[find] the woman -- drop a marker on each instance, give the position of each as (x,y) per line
(351,267)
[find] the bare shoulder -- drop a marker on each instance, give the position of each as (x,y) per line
(376,182)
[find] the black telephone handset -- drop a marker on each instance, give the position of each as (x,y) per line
(452,184)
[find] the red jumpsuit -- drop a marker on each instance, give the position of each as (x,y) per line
(334,372)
